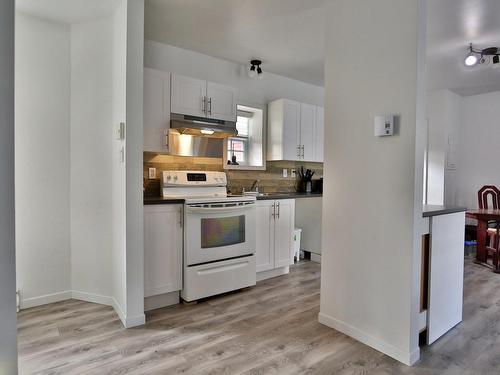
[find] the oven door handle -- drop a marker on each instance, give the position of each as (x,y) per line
(204,210)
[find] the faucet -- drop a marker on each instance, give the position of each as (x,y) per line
(255,185)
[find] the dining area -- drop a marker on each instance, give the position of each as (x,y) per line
(487,229)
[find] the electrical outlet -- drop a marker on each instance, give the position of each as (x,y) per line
(152,173)
(293,172)
(285,172)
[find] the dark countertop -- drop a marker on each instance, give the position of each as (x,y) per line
(433,210)
(161,200)
(290,195)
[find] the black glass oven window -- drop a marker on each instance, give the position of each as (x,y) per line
(222,231)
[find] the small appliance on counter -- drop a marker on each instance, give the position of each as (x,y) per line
(219,233)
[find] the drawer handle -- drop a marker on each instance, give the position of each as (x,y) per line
(229,267)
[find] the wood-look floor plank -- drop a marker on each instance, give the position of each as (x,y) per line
(271,328)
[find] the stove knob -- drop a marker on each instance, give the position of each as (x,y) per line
(168,177)
(175,177)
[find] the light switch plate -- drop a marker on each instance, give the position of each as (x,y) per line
(285,172)
(152,173)
(293,173)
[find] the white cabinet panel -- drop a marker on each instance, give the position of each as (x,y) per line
(221,102)
(156,109)
(188,95)
(291,130)
(446,274)
(283,232)
(162,249)
(319,135)
(265,235)
(307,131)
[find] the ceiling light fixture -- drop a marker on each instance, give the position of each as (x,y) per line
(255,69)
(476,56)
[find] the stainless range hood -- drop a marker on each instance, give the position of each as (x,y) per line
(202,126)
(198,136)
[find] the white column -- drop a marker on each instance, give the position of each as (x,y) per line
(373,186)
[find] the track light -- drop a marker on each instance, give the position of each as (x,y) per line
(482,56)
(255,69)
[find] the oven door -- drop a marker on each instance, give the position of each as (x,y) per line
(218,231)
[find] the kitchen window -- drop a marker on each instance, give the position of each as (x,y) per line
(246,150)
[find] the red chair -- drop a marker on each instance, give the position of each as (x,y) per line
(484,195)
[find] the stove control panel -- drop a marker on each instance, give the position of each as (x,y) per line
(193,178)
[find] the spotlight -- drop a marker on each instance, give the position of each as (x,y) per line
(251,72)
(496,61)
(471,59)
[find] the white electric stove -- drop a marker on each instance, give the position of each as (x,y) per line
(219,233)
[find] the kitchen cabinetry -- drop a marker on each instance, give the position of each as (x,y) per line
(295,131)
(162,249)
(202,98)
(275,225)
(156,110)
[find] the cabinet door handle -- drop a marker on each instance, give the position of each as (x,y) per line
(303,152)
(210,106)
(278,203)
(181,218)
(298,151)
(273,214)
(204,105)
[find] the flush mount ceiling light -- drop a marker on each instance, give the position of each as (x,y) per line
(482,57)
(255,70)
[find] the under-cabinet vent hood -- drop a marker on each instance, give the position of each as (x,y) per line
(202,126)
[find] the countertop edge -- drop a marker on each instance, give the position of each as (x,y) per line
(159,200)
(430,210)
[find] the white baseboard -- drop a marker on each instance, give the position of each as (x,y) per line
(407,358)
(135,321)
(316,258)
(272,273)
(161,300)
(44,300)
(127,322)
(94,298)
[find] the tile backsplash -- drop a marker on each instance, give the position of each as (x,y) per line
(270,180)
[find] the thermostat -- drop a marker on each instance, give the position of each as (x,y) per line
(384,125)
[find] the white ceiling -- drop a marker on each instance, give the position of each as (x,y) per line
(287,35)
(452,25)
(67,11)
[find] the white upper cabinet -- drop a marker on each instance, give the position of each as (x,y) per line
(156,109)
(319,134)
(197,97)
(294,131)
(188,96)
(221,102)
(307,131)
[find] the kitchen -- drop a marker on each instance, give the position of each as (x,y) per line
(265,173)
(165,174)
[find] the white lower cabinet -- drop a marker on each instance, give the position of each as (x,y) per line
(275,225)
(162,249)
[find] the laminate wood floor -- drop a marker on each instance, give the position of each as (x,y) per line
(268,329)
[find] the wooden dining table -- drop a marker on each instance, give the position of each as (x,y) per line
(483,216)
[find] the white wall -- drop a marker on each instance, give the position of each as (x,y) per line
(91,157)
(479,148)
(8,327)
(250,91)
(117,164)
(134,183)
(444,118)
(42,134)
(369,282)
